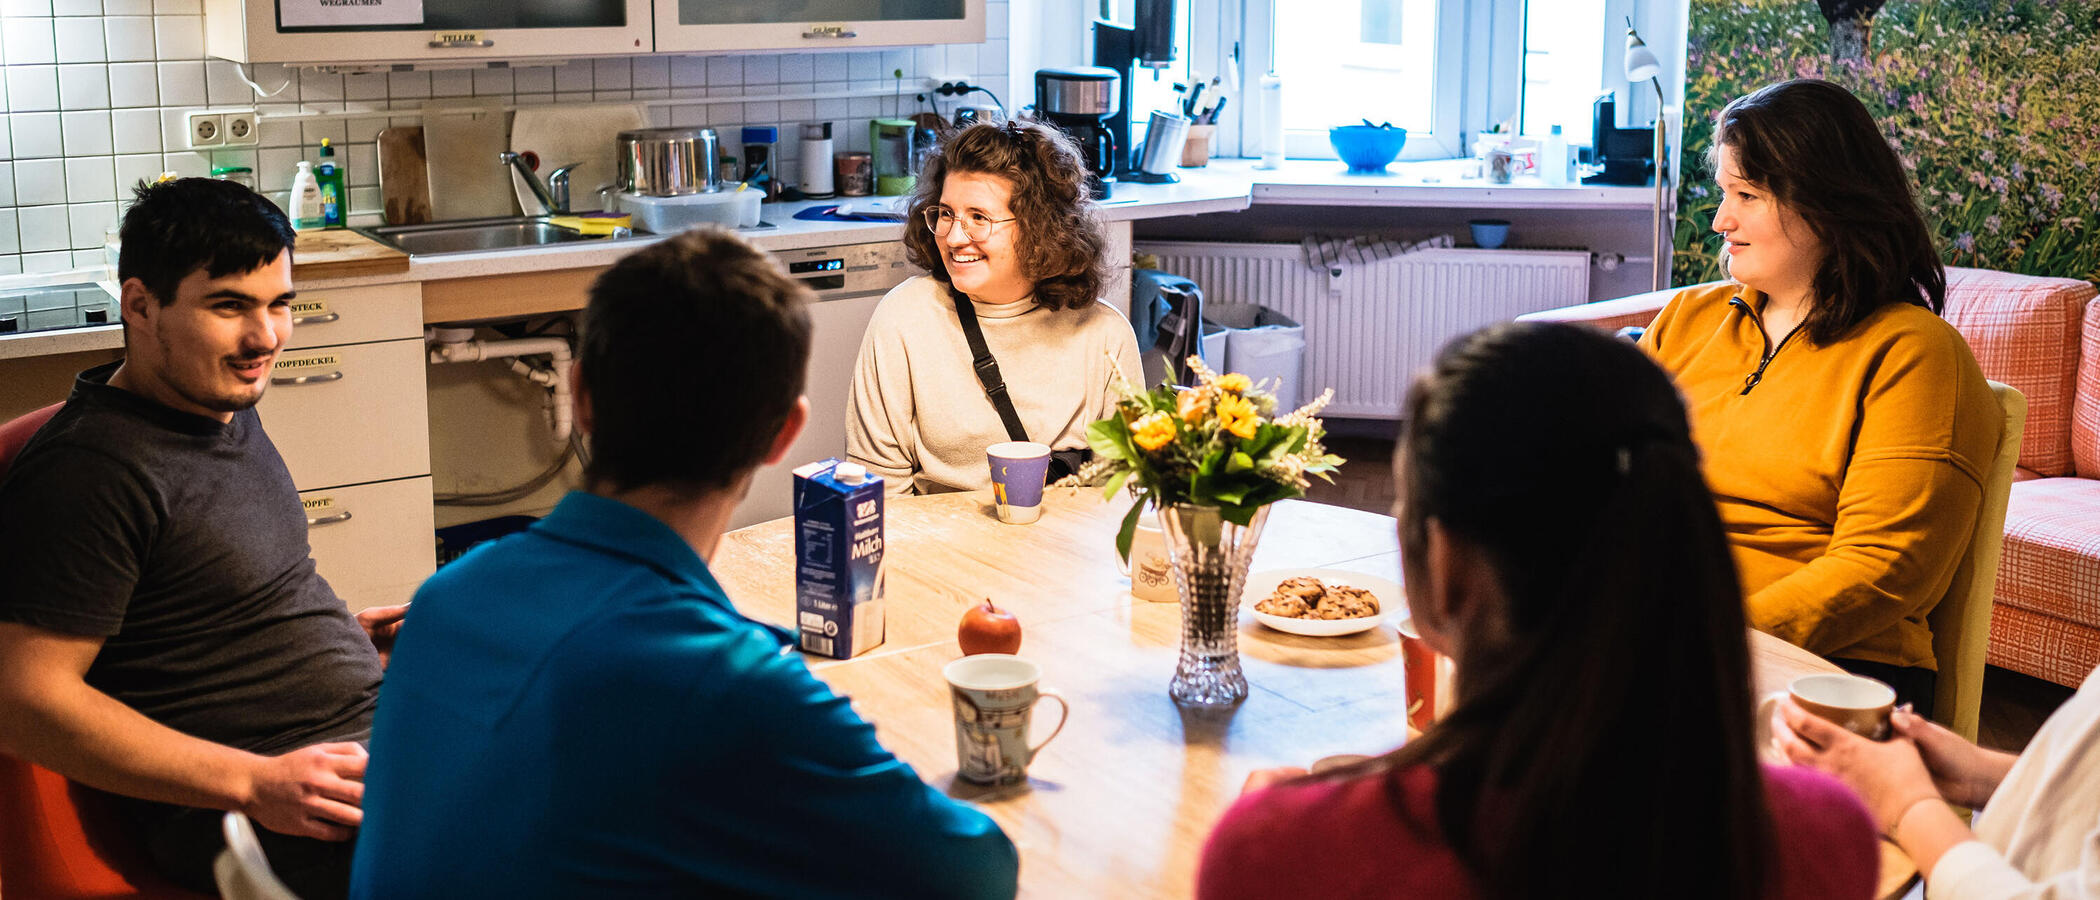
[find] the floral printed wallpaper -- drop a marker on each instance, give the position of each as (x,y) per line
(1993,106)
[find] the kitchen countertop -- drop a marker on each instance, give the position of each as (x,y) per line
(1226,185)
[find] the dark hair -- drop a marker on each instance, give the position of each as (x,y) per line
(176,227)
(1061,242)
(1623,684)
(1817,150)
(693,353)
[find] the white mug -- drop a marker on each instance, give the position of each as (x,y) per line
(1150,572)
(994,695)
(1856,703)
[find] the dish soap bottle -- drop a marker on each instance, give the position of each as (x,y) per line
(305,199)
(335,199)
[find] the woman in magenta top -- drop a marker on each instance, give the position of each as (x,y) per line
(1561,546)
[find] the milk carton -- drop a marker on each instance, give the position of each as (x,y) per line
(838,558)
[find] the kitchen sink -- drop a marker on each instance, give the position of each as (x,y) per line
(470,235)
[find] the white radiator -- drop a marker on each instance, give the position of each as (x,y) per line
(1368,330)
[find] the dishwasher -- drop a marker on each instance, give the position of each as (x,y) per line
(848,281)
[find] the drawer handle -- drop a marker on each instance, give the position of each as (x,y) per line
(317,378)
(343,516)
(830,34)
(443,45)
(321,319)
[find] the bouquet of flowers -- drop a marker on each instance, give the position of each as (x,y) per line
(1219,444)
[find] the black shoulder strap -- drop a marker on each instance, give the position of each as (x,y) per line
(987,367)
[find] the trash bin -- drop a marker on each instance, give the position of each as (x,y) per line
(1262,344)
(1214,346)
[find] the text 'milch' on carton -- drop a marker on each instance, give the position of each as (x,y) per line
(838,558)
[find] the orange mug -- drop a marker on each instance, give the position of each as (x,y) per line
(1431,678)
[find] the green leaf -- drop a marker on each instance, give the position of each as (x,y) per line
(1110,437)
(1115,483)
(1124,534)
(1239,462)
(1238,514)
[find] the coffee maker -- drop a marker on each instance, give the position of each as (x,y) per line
(1146,42)
(1084,102)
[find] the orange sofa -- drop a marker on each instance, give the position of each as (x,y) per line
(2042,336)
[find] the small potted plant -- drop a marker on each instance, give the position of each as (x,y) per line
(1210,459)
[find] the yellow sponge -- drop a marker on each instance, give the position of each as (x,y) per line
(594,223)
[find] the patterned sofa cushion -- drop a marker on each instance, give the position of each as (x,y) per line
(2085,418)
(2024,331)
(2043,646)
(2051,562)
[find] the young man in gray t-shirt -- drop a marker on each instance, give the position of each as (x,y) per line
(163,633)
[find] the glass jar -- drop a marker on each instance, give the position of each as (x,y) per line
(241,175)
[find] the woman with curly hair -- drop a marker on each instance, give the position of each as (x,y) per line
(1003,227)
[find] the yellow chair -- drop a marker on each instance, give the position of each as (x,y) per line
(1961,623)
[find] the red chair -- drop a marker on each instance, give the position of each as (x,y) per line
(46,848)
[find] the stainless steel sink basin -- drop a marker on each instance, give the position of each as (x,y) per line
(470,235)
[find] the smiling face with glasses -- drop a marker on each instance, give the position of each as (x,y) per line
(975,228)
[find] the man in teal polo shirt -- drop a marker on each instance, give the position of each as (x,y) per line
(578,711)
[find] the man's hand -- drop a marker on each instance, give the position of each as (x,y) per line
(1262,778)
(311,792)
(382,624)
(1889,775)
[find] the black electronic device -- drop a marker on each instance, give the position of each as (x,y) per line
(1148,42)
(1623,155)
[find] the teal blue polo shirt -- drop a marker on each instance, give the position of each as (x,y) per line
(578,711)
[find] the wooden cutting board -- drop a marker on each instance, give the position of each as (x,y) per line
(467,179)
(341,253)
(404,180)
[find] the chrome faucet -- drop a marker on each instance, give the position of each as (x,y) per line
(553,195)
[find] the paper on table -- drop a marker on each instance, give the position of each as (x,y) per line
(309,13)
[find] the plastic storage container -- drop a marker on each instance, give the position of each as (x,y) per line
(1261,343)
(670,215)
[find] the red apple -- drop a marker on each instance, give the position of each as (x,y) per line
(988,629)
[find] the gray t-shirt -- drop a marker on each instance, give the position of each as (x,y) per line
(181,541)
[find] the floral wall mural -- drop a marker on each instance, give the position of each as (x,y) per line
(1994,107)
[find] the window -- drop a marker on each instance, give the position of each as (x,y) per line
(1345,61)
(1564,58)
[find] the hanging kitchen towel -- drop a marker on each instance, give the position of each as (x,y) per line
(1334,255)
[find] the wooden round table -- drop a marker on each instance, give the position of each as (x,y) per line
(1119,804)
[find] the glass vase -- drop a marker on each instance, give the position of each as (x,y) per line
(1209,556)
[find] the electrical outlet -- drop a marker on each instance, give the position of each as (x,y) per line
(240,128)
(207,129)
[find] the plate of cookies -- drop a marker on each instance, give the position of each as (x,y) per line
(1321,602)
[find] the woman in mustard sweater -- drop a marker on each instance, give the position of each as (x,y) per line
(1846,428)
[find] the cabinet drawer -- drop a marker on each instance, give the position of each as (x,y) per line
(356,315)
(375,543)
(348,415)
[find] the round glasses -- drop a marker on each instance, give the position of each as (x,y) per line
(976,225)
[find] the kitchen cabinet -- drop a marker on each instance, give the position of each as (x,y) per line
(743,25)
(349,412)
(278,31)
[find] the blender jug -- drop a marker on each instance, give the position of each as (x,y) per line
(891,141)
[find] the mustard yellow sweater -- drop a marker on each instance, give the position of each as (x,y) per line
(1848,477)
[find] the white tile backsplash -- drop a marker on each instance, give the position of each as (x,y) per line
(96,90)
(86,133)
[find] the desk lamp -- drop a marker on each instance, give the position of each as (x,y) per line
(1641,65)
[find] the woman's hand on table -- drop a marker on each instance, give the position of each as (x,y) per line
(1261,778)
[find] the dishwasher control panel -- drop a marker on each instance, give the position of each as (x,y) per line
(849,269)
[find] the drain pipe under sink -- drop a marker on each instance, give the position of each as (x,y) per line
(457,345)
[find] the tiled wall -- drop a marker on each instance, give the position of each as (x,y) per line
(95,93)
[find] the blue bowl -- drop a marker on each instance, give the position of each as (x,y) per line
(1489,234)
(1365,148)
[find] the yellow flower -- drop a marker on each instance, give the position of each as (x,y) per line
(1236,414)
(1154,431)
(1194,405)
(1235,383)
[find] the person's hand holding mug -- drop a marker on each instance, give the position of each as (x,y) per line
(1965,774)
(1889,775)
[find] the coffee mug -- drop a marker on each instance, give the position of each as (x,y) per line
(1151,574)
(1855,703)
(1018,471)
(994,695)
(1431,677)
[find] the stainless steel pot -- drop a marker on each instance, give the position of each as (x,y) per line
(668,162)
(1078,91)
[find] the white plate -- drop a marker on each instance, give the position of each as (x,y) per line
(1261,584)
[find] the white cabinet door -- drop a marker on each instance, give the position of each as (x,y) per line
(746,25)
(451,30)
(349,414)
(362,315)
(375,543)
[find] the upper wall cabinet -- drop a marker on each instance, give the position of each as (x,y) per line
(371,32)
(726,26)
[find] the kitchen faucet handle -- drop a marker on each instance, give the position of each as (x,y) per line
(558,185)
